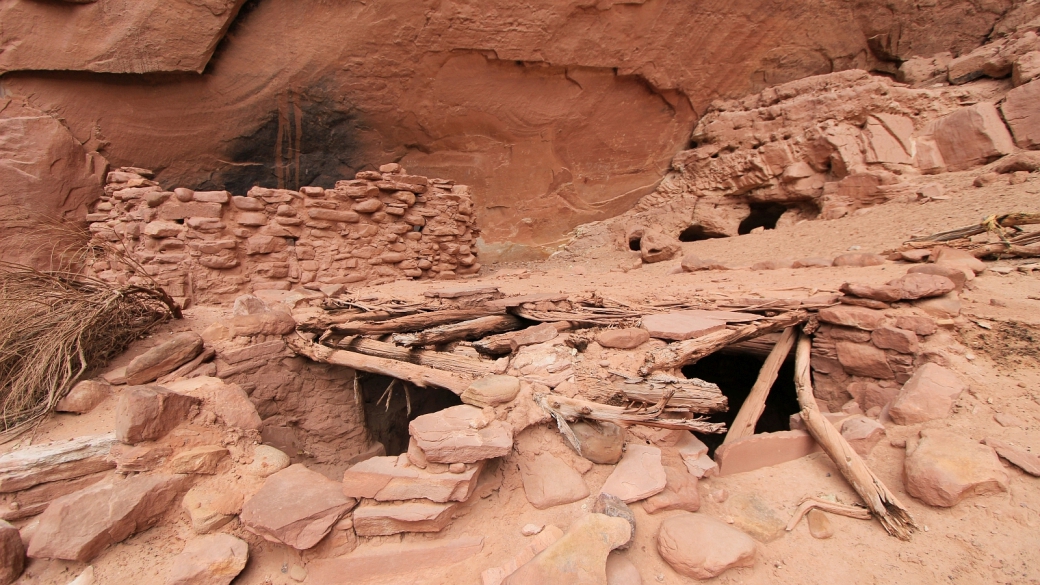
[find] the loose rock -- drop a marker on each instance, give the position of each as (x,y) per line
(639,475)
(296,506)
(628,338)
(944,468)
(84,396)
(164,358)
(460,434)
(702,547)
(929,394)
(215,559)
(492,390)
(147,413)
(579,556)
(12,554)
(549,481)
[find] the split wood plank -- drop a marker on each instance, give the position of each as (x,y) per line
(472,329)
(892,514)
(744,425)
(434,359)
(411,323)
(571,409)
(420,376)
(694,395)
(679,354)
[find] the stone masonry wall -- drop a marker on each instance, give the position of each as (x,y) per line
(211,246)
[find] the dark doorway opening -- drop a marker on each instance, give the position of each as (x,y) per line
(634,243)
(389,424)
(735,374)
(763,215)
(696,233)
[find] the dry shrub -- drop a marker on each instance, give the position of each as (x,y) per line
(55,327)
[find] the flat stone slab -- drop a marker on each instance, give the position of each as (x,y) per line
(383,519)
(392,559)
(296,506)
(638,475)
(386,479)
(460,435)
(77,527)
(764,450)
(679,326)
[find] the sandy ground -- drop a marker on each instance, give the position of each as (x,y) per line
(991,539)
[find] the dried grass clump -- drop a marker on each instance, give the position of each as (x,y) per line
(55,326)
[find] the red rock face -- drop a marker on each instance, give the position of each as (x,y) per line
(556,113)
(45,175)
(113,36)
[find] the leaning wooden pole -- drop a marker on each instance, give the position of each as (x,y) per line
(420,376)
(895,518)
(755,404)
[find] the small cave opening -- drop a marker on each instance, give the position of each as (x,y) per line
(387,401)
(696,233)
(634,243)
(735,374)
(764,215)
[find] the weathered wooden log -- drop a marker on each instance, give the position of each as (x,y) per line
(434,359)
(755,403)
(416,322)
(571,409)
(421,376)
(759,347)
(472,329)
(679,354)
(694,395)
(506,343)
(892,514)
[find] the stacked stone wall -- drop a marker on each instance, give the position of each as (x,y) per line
(211,246)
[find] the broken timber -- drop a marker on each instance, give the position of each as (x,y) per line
(894,517)
(433,359)
(690,394)
(421,376)
(679,354)
(416,322)
(755,403)
(570,409)
(472,329)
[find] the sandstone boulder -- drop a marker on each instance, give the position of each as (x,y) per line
(600,442)
(262,323)
(956,275)
(388,479)
(84,396)
(80,525)
(657,247)
(214,559)
(928,394)
(229,402)
(548,480)
(460,434)
(147,413)
(267,460)
(628,338)
(163,358)
(1022,114)
(638,475)
(296,506)
(579,556)
(492,390)
(12,554)
(895,339)
(699,546)
(972,136)
(944,468)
